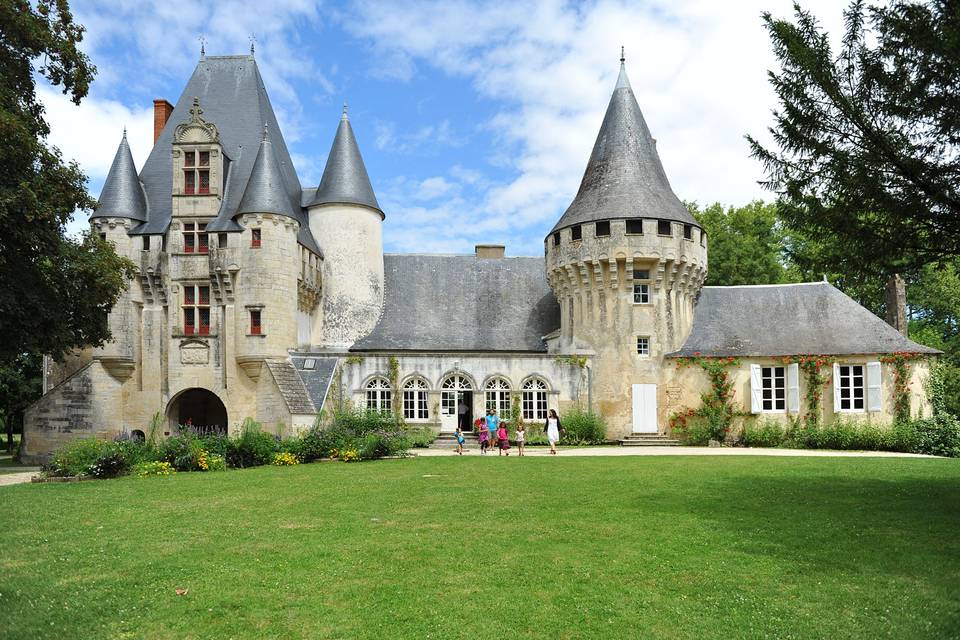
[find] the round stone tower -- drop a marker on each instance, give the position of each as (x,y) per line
(346,220)
(626,262)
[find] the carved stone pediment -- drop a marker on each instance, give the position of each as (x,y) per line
(196,129)
(194,352)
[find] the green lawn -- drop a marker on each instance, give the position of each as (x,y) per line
(636,547)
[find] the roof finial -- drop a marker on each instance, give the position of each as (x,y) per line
(203,46)
(622,56)
(124,132)
(264,131)
(253,41)
(344,115)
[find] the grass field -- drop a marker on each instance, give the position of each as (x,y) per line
(641,547)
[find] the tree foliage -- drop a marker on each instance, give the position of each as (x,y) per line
(867,139)
(56,290)
(746,244)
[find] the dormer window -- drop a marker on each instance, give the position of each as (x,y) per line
(196,172)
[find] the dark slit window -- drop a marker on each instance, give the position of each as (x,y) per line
(603,228)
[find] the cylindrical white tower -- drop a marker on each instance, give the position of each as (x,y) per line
(346,220)
(626,261)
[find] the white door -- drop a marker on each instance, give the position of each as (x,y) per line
(645,408)
(451,395)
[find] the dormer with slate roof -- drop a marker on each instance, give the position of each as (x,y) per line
(198,166)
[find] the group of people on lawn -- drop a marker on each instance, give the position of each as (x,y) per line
(491,431)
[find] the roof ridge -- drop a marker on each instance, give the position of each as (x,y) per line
(759,286)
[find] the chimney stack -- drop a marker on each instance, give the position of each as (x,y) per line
(490,250)
(896,303)
(161,113)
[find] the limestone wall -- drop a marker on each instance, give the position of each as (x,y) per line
(567,384)
(352,298)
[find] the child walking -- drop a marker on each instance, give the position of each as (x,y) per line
(483,436)
(460,440)
(503,438)
(521,438)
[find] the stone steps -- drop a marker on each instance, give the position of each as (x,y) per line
(648,440)
(449,441)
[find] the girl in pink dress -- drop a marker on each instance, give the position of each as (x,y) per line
(503,438)
(483,436)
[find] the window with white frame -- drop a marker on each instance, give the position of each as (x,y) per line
(378,395)
(641,290)
(643,346)
(415,400)
(534,399)
(451,392)
(497,396)
(850,387)
(774,389)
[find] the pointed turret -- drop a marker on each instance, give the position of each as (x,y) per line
(624,177)
(265,192)
(345,179)
(122,195)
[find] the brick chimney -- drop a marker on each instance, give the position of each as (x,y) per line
(896,302)
(490,250)
(161,113)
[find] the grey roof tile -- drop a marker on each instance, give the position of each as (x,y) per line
(779,320)
(122,195)
(234,98)
(345,178)
(291,387)
(624,177)
(463,303)
(316,372)
(264,192)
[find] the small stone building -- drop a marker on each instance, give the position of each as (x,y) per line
(260,297)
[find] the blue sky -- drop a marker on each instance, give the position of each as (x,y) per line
(475,120)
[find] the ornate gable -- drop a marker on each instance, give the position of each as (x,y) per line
(196,129)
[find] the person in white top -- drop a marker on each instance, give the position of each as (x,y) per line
(521,438)
(553,429)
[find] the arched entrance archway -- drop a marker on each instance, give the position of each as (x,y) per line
(199,409)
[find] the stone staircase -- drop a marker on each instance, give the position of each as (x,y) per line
(648,440)
(449,441)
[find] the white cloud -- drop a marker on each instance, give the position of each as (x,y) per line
(698,69)
(387,138)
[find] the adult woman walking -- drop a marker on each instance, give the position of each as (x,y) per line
(553,429)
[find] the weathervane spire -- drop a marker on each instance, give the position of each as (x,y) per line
(253,41)
(343,116)
(622,56)
(203,46)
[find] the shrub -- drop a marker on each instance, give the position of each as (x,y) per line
(698,432)
(766,434)
(216,444)
(363,421)
(156,468)
(285,459)
(420,437)
(77,456)
(350,455)
(583,427)
(184,451)
(216,462)
(252,448)
(110,464)
(939,435)
(380,444)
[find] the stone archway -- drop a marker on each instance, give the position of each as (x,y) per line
(199,408)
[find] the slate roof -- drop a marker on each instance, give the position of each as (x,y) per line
(233,97)
(264,192)
(122,195)
(778,320)
(316,380)
(463,303)
(291,387)
(624,177)
(345,178)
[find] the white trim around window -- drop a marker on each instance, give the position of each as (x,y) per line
(849,387)
(643,346)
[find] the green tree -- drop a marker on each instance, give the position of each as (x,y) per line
(746,244)
(20,384)
(57,290)
(866,140)
(934,303)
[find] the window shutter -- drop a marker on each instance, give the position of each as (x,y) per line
(756,389)
(874,387)
(793,388)
(836,387)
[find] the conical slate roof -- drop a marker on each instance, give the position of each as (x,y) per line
(265,192)
(122,195)
(345,178)
(624,178)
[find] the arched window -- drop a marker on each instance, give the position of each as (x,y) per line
(534,399)
(497,396)
(449,393)
(137,435)
(378,395)
(415,400)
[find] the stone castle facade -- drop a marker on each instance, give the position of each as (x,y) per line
(260,298)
